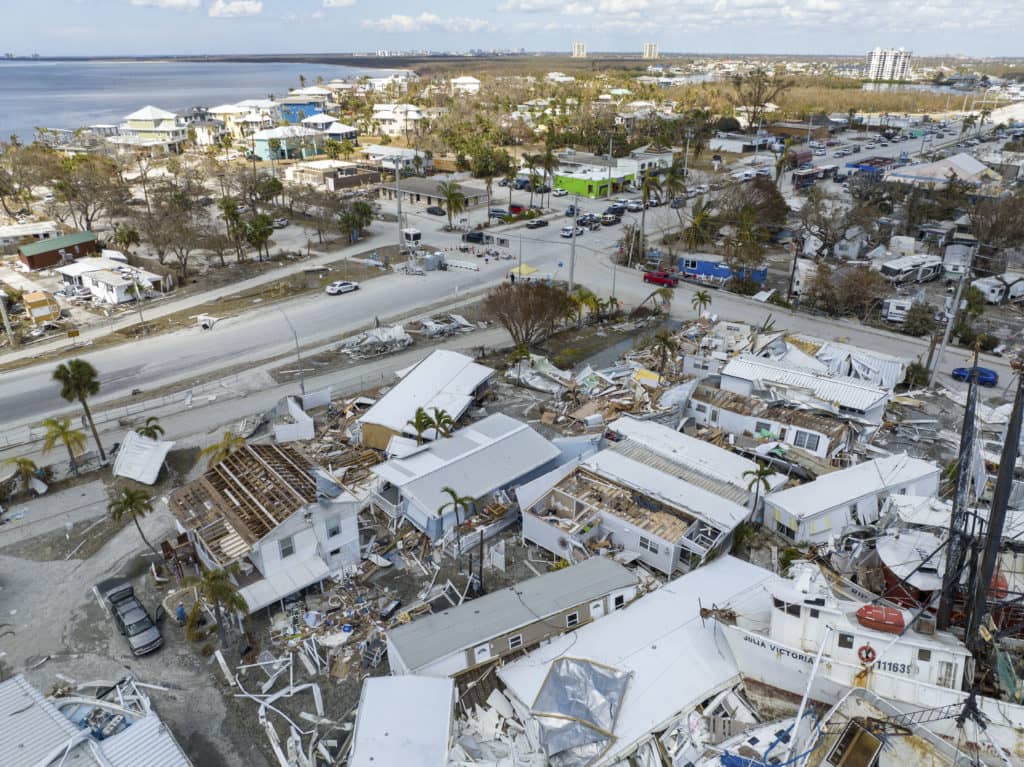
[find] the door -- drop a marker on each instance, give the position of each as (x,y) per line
(596,609)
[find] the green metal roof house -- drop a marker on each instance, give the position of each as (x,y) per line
(57,250)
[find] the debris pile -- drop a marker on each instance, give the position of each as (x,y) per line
(376,342)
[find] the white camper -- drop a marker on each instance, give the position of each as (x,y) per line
(920,268)
(993,288)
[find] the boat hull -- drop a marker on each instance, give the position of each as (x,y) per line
(775,672)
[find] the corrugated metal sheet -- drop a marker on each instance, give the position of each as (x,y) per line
(147,742)
(648,457)
(30,726)
(843,391)
(436,636)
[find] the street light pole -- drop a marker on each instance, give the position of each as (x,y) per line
(298,353)
(572,249)
(7,322)
(398,197)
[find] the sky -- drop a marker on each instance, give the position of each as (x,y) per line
(845,27)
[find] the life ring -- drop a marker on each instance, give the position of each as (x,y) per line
(866,653)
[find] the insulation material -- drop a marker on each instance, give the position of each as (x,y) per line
(577,707)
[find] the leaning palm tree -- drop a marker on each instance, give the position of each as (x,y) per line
(79,381)
(454,199)
(700,301)
(703,226)
(60,430)
(457,501)
(660,298)
(151,428)
(757,479)
(218,451)
(664,345)
(24,470)
(443,422)
(218,588)
(421,422)
(132,503)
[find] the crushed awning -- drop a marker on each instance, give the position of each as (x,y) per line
(140,458)
(295,577)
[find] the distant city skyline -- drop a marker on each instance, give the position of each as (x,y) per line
(772,27)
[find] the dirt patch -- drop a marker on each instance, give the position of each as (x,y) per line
(83,540)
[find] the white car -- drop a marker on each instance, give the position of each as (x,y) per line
(567,231)
(280,223)
(341,286)
(559,192)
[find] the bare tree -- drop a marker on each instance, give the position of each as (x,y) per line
(530,312)
(756,89)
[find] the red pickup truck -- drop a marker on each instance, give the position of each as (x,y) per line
(662,277)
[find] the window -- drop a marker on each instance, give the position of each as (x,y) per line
(286,547)
(806,440)
(572,620)
(846,641)
(700,408)
(646,544)
(781,527)
(515,642)
(815,613)
(924,655)
(334,526)
(778,604)
(793,610)
(762,426)
(690,264)
(714,416)
(620,602)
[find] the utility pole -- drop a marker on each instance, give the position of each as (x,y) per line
(520,253)
(298,353)
(398,197)
(996,520)
(609,167)
(7,322)
(572,249)
(950,321)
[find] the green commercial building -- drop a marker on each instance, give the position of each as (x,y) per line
(593,183)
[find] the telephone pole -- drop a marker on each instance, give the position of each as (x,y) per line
(572,249)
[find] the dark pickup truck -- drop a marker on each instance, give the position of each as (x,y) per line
(132,620)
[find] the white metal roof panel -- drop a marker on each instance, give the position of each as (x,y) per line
(403,720)
(842,390)
(140,458)
(655,483)
(475,460)
(673,656)
(297,575)
(147,741)
(30,726)
(847,485)
(436,636)
(444,379)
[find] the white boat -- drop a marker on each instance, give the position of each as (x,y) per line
(817,643)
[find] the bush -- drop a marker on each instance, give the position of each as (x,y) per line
(777,299)
(920,320)
(742,285)
(917,375)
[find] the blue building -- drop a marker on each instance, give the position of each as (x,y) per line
(295,109)
(711,268)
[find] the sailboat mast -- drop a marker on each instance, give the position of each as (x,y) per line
(956,554)
(996,518)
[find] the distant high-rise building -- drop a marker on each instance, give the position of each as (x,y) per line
(888,64)
(579,50)
(650,50)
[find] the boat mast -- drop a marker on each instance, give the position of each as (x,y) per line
(958,536)
(996,519)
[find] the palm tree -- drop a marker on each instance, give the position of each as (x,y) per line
(274,145)
(60,430)
(443,422)
(125,237)
(421,422)
(218,451)
(454,199)
(511,174)
(582,300)
(758,479)
(648,185)
(218,588)
(535,181)
(151,428)
(549,163)
(700,301)
(132,503)
(674,183)
(457,501)
(79,381)
(25,469)
(703,226)
(665,346)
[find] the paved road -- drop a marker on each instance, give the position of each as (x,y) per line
(29,394)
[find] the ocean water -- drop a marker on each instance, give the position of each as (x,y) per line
(66,94)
